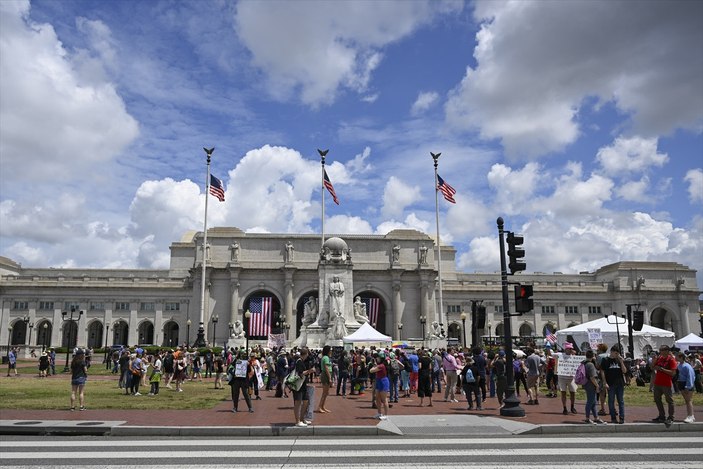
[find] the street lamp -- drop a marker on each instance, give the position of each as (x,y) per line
(25,320)
(463,327)
(70,320)
(107,332)
(247,315)
(188,323)
(400,330)
(215,319)
(490,342)
(423,320)
(9,336)
(617,327)
(45,345)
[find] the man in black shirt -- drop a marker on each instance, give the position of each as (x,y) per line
(614,369)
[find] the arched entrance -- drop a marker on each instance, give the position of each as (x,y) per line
(375,310)
(525,330)
(95,335)
(146,333)
(663,319)
(264,308)
(19,333)
(454,332)
(120,333)
(170,334)
(549,327)
(500,331)
(300,310)
(44,334)
(70,333)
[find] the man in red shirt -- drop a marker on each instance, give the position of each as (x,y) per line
(665,368)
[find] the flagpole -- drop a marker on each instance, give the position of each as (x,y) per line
(435,157)
(323,154)
(200,339)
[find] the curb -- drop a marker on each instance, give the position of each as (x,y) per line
(553,429)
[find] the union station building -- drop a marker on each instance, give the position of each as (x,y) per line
(162,307)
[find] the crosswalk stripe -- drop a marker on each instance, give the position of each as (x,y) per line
(344,453)
(405,465)
(563,442)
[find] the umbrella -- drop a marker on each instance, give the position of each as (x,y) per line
(400,344)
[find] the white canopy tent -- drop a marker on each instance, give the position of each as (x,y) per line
(649,337)
(366,333)
(688,342)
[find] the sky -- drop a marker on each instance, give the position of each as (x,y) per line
(578,122)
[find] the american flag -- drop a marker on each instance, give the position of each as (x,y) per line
(330,187)
(550,336)
(447,190)
(217,189)
(372,307)
(260,320)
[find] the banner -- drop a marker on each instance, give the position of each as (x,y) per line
(277,340)
(567,364)
(594,338)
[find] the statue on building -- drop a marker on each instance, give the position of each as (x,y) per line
(339,331)
(288,257)
(435,331)
(310,311)
(207,252)
(396,253)
(360,311)
(336,291)
(423,255)
(234,247)
(237,330)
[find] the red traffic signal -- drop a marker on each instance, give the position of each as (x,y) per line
(523,298)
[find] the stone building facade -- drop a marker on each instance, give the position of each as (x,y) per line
(399,270)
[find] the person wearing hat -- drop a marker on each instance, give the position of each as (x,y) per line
(566,382)
(79,375)
(43,364)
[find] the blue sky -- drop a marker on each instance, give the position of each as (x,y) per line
(578,122)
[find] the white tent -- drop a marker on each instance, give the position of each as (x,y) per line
(688,342)
(649,336)
(366,333)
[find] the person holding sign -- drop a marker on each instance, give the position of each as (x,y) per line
(565,376)
(239,373)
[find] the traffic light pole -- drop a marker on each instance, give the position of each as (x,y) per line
(630,339)
(511,404)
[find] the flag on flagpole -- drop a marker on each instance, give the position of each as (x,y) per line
(217,189)
(330,188)
(260,320)
(550,336)
(372,307)
(446,190)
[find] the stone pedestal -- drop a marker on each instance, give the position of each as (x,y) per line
(434,343)
(236,343)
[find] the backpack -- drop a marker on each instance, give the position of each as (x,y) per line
(395,368)
(469,377)
(580,376)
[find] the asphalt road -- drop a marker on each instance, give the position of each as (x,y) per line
(512,452)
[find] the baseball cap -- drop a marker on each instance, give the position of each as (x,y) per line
(568,345)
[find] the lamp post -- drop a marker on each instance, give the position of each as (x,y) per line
(617,327)
(25,320)
(9,336)
(423,320)
(45,345)
(70,320)
(463,328)
(107,332)
(188,323)
(215,319)
(490,342)
(247,315)
(400,331)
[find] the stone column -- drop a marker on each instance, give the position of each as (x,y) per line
(82,323)
(133,329)
(396,305)
(56,328)
(561,317)
(5,323)
(159,323)
(234,295)
(425,294)
(107,318)
(538,321)
(288,306)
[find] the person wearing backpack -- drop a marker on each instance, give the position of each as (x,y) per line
(405,374)
(470,380)
(394,375)
(591,388)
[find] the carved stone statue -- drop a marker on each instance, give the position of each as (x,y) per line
(310,311)
(396,253)
(435,331)
(288,257)
(339,331)
(207,251)
(235,251)
(336,296)
(423,255)
(360,311)
(238,330)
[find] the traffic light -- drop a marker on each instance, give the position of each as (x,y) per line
(523,298)
(637,320)
(516,253)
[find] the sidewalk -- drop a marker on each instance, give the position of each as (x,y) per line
(352,415)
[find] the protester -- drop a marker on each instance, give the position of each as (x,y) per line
(470,379)
(602,350)
(325,378)
(437,372)
(533,365)
(43,364)
(499,371)
(405,374)
(382,386)
(241,372)
(415,363)
(450,370)
(394,367)
(79,375)
(300,397)
(424,385)
(155,378)
(591,388)
(281,373)
(12,361)
(665,368)
(565,383)
(481,364)
(614,369)
(135,368)
(219,366)
(686,385)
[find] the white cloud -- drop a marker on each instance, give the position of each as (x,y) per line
(359,164)
(411,222)
(642,59)
(57,124)
(397,195)
(694,178)
(424,101)
(319,48)
(345,224)
(630,155)
(573,197)
(635,191)
(512,188)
